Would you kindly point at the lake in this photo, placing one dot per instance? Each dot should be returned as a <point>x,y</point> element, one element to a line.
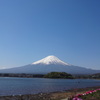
<point>17,86</point>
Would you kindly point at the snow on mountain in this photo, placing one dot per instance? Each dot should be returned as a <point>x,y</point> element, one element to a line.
<point>50,60</point>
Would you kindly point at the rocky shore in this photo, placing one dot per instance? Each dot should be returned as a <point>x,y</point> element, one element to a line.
<point>49,96</point>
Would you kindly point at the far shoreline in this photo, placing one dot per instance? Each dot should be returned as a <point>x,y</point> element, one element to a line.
<point>52,75</point>
<point>26,75</point>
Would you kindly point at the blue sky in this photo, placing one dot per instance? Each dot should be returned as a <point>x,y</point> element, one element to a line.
<point>33,29</point>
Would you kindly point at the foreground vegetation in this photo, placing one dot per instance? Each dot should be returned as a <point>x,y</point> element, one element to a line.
<point>92,96</point>
<point>88,95</point>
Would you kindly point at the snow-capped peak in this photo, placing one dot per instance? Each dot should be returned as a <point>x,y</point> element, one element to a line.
<point>50,60</point>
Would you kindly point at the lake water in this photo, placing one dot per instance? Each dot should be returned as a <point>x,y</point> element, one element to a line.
<point>16,86</point>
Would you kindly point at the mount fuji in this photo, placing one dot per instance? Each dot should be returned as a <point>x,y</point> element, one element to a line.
<point>50,64</point>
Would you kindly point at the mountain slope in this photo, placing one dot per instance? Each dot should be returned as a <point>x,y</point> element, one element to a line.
<point>50,64</point>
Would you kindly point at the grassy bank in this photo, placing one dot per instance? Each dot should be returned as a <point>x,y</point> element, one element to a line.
<point>93,96</point>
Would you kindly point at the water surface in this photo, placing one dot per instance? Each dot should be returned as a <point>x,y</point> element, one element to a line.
<point>16,86</point>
